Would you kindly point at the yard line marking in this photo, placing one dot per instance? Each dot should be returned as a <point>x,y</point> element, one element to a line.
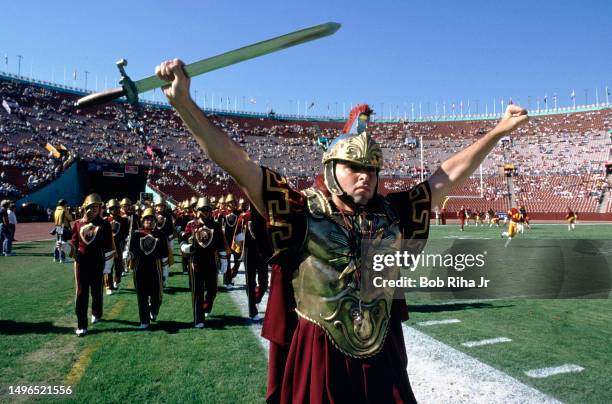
<point>240,298</point>
<point>81,365</point>
<point>471,344</point>
<point>439,322</point>
<point>84,359</point>
<point>557,370</point>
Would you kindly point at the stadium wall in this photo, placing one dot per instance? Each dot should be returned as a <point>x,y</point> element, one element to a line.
<point>67,186</point>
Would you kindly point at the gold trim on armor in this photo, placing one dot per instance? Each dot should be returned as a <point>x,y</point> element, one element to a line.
<point>352,355</point>
<point>278,207</point>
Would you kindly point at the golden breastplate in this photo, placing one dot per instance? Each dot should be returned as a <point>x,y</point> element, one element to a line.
<point>327,284</point>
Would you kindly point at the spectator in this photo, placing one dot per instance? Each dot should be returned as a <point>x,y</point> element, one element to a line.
<point>12,217</point>
<point>5,235</point>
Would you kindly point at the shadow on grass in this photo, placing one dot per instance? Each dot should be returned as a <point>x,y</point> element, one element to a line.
<point>223,321</point>
<point>10,327</point>
<point>437,308</point>
<point>171,290</point>
<point>223,289</point>
<point>31,254</point>
<point>26,246</point>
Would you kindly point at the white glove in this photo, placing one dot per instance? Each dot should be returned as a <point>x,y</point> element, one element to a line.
<point>165,271</point>
<point>109,261</point>
<point>65,247</point>
<point>186,248</point>
<point>165,268</point>
<point>108,265</point>
<point>223,266</point>
<point>222,262</point>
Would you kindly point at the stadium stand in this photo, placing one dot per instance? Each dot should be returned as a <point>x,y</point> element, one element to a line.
<point>558,159</point>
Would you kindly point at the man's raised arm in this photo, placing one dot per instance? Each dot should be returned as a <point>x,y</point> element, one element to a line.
<point>215,143</point>
<point>462,164</point>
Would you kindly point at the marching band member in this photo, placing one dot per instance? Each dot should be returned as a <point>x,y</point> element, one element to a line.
<point>206,245</point>
<point>93,252</point>
<point>120,227</point>
<point>148,258</point>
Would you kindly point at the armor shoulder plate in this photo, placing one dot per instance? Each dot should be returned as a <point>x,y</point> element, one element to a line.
<point>317,204</point>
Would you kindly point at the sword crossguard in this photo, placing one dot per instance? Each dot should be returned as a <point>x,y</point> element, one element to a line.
<point>131,92</point>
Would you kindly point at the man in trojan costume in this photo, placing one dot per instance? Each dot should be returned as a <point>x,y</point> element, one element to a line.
<point>328,341</point>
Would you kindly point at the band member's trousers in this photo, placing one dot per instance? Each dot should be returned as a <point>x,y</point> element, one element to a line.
<point>88,279</point>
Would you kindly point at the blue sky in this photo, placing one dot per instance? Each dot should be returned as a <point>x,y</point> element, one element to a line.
<point>390,54</point>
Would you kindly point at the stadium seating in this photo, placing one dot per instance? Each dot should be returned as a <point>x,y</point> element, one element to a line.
<point>558,158</point>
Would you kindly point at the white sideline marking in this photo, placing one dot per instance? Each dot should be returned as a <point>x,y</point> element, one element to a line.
<point>471,344</point>
<point>438,373</point>
<point>557,370</point>
<point>439,322</point>
<point>441,374</point>
<point>240,298</point>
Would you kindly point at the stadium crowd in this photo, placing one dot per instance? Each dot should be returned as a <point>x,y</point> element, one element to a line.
<point>567,146</point>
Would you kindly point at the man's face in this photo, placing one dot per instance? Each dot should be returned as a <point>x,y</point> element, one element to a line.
<point>114,211</point>
<point>92,211</point>
<point>357,181</point>
<point>148,223</point>
<point>204,213</point>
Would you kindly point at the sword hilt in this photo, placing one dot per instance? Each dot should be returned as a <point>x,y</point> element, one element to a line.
<point>127,89</point>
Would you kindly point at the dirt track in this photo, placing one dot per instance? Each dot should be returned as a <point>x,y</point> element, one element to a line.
<point>33,231</point>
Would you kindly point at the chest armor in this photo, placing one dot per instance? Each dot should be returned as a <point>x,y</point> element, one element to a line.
<point>327,284</point>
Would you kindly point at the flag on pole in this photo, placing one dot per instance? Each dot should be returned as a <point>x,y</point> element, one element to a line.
<point>253,101</point>
<point>6,59</point>
<point>312,104</point>
<point>573,94</point>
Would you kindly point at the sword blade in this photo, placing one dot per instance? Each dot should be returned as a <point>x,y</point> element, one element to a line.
<point>245,53</point>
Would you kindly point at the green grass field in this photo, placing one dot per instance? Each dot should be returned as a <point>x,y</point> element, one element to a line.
<point>173,362</point>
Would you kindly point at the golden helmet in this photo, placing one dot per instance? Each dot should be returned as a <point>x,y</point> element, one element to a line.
<point>359,149</point>
<point>92,199</point>
<point>193,201</point>
<point>149,212</point>
<point>112,203</point>
<point>229,198</point>
<point>125,202</point>
<point>203,202</point>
